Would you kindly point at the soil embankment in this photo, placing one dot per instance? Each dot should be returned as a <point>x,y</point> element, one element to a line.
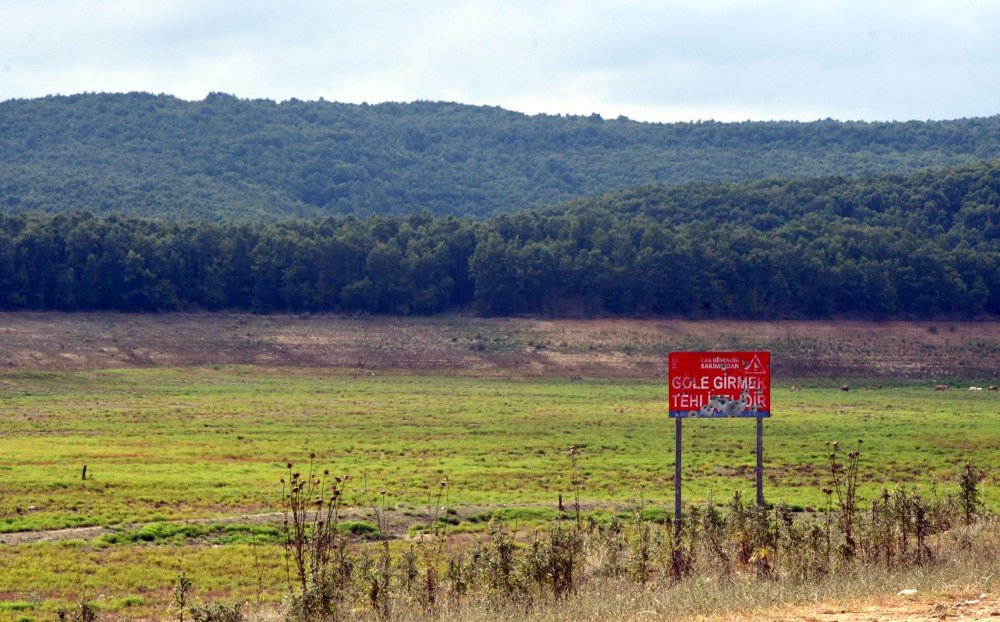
<point>530,347</point>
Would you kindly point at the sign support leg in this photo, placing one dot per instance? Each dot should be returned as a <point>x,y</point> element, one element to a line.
<point>677,473</point>
<point>760,461</point>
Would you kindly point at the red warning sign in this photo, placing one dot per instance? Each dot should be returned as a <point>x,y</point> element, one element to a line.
<point>720,384</point>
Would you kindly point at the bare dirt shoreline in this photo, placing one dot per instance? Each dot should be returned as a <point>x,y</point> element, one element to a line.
<point>931,351</point>
<point>959,605</point>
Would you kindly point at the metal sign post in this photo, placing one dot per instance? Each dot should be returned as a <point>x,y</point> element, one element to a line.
<point>719,384</point>
<point>677,474</point>
<point>760,461</point>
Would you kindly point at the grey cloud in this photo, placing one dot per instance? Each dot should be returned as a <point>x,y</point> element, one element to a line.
<point>714,58</point>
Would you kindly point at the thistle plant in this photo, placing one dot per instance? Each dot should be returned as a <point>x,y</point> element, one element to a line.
<point>314,548</point>
<point>576,484</point>
<point>845,485</point>
<point>181,592</point>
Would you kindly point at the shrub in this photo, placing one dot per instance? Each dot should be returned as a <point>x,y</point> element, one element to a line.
<point>969,497</point>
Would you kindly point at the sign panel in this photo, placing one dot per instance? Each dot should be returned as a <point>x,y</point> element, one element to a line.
<point>720,384</point>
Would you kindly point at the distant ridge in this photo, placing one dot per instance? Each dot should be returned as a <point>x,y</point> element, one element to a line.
<point>224,158</point>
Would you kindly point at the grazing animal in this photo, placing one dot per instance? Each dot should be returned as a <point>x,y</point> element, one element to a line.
<point>993,388</point>
<point>940,387</point>
<point>794,388</point>
<point>845,388</point>
<point>975,388</point>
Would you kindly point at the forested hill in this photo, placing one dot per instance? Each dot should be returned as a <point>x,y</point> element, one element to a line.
<point>923,245</point>
<point>225,158</point>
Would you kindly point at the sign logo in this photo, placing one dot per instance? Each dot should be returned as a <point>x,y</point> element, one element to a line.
<point>720,384</point>
<point>754,366</point>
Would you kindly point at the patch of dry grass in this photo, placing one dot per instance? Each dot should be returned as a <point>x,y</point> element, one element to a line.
<point>861,592</point>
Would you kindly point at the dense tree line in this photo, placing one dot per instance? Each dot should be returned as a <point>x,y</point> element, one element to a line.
<point>921,246</point>
<point>225,158</point>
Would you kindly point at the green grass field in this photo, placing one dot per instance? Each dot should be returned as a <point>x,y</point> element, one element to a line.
<point>202,442</point>
<point>199,442</point>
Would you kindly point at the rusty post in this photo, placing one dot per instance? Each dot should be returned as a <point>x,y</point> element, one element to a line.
<point>760,461</point>
<point>677,474</point>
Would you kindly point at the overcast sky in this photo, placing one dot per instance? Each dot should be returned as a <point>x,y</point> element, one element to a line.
<point>649,60</point>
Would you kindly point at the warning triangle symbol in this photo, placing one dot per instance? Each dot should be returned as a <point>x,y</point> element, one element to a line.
<point>754,366</point>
